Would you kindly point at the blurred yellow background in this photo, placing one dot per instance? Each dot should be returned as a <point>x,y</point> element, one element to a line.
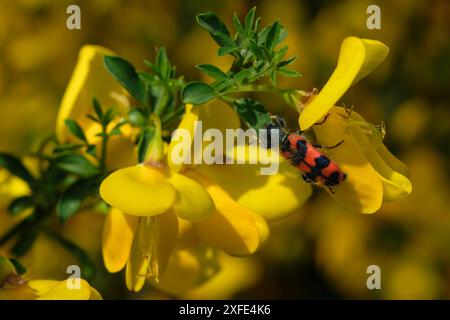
<point>324,251</point>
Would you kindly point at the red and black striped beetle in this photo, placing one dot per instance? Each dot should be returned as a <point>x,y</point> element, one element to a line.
<point>314,166</point>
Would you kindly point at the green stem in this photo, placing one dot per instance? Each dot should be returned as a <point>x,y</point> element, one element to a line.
<point>265,88</point>
<point>104,145</point>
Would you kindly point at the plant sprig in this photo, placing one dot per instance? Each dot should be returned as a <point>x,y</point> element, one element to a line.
<point>255,52</point>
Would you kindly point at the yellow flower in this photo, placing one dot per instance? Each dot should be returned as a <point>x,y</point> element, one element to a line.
<point>15,287</point>
<point>374,175</point>
<point>141,229</point>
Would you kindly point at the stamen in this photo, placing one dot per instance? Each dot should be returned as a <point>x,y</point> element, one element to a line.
<point>148,246</point>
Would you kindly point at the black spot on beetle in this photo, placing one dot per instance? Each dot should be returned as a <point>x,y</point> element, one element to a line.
<point>333,179</point>
<point>301,148</point>
<point>322,162</point>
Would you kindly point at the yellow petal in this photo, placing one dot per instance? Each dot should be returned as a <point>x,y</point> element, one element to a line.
<point>95,295</point>
<point>41,287</point>
<point>271,196</point>
<point>232,228</point>
<point>357,58</point>
<point>90,78</point>
<point>193,202</point>
<point>138,190</point>
<point>393,162</point>
<point>118,234</point>
<point>189,268</point>
<point>153,243</point>
<point>395,185</point>
<point>362,190</point>
<point>22,292</point>
<point>62,292</point>
<point>187,123</point>
<point>235,275</point>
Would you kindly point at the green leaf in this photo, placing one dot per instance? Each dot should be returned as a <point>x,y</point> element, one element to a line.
<point>19,267</point>
<point>67,147</point>
<point>214,26</point>
<point>115,131</point>
<point>144,140</point>
<point>272,36</point>
<point>70,201</point>
<point>238,25</point>
<point>162,63</point>
<point>279,34</point>
<point>249,19</point>
<point>256,50</point>
<point>108,116</point>
<point>160,98</point>
<point>223,39</point>
<point>227,50</point>
<point>126,75</point>
<point>212,71</point>
<point>25,241</point>
<point>288,72</point>
<point>18,205</point>
<point>149,78</point>
<point>279,54</point>
<point>273,76</point>
<point>252,113</point>
<point>257,23</point>
<point>77,164</point>
<point>97,108</point>
<point>197,93</point>
<point>15,167</point>
<point>287,62</point>
<point>92,150</point>
<point>90,116</point>
<point>75,129</point>
<point>242,75</point>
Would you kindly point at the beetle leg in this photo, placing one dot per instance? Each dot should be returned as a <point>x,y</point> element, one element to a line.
<point>323,121</point>
<point>328,148</point>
